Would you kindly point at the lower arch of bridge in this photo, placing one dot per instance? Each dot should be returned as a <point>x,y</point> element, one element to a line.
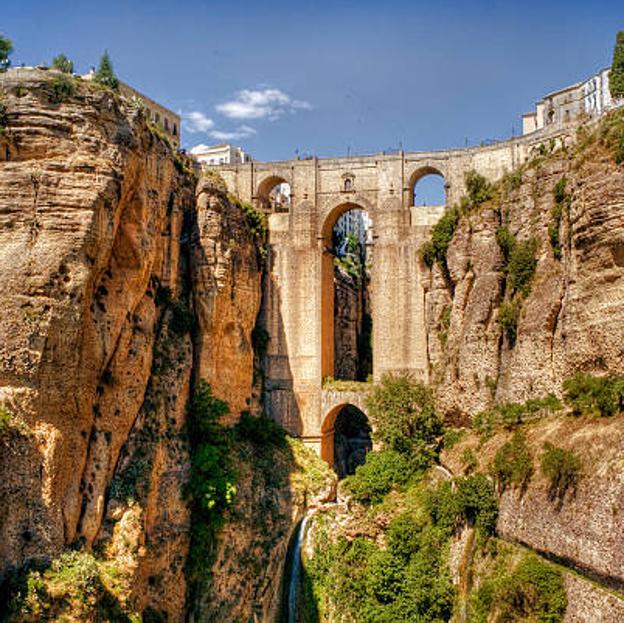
<point>345,439</point>
<point>328,362</point>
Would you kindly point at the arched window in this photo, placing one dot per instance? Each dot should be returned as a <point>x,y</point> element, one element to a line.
<point>348,184</point>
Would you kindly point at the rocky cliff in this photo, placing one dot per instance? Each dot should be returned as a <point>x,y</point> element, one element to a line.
<point>569,203</point>
<point>123,284</point>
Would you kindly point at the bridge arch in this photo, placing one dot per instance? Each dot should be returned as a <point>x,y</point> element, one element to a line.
<point>427,173</point>
<point>266,196</point>
<point>345,437</point>
<point>328,256</point>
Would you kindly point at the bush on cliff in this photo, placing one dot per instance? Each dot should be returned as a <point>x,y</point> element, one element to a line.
<point>62,63</point>
<point>62,87</point>
<point>403,417</point>
<point>435,250</point>
<point>513,465</point>
<point>478,188</point>
<point>562,202</point>
<point>6,47</point>
<point>532,591</point>
<point>562,468</point>
<point>595,395</point>
<point>382,472</point>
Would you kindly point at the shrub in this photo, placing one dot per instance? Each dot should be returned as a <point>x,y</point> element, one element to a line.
<point>403,417</point>
<point>211,486</point>
<point>403,536</point>
<point>508,314</point>
<point>513,413</point>
<point>479,189</point>
<point>5,420</point>
<point>562,468</point>
<point>445,323</point>
<point>512,465</point>
<point>473,501</point>
<point>506,242</point>
<point>105,74</point>
<point>6,47</point>
<point>470,461</point>
<point>519,261</point>
<point>62,87</point>
<point>381,472</point>
<point>616,76</point>
<point>385,576</point>
<point>562,201</point>
<point>594,395</point>
<point>75,573</point>
<point>62,63</point>
<point>521,266</point>
<point>441,236</point>
<point>452,436</point>
<point>533,591</point>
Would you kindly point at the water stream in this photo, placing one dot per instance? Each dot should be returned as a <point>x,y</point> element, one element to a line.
<point>295,570</point>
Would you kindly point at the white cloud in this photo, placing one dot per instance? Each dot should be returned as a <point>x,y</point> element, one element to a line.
<point>260,104</point>
<point>243,131</point>
<point>196,121</point>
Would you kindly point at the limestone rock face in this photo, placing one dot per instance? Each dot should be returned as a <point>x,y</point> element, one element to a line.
<point>226,293</point>
<point>573,317</point>
<point>104,253</point>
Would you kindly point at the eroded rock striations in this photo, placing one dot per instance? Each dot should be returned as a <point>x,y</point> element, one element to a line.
<point>107,258</point>
<point>572,318</point>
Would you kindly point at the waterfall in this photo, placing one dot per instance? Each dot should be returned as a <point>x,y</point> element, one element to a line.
<point>295,570</point>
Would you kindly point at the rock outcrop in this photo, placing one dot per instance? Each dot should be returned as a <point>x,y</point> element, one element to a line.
<point>107,258</point>
<point>573,317</point>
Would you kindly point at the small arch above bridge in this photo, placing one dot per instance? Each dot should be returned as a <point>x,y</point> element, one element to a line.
<point>273,194</point>
<point>433,182</point>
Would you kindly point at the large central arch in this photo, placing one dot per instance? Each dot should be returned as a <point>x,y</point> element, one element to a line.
<point>327,283</point>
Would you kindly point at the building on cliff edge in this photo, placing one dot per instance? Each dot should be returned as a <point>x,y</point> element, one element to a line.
<point>590,97</point>
<point>223,153</point>
<point>168,120</point>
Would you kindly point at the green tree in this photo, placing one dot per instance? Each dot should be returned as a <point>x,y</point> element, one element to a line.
<point>62,63</point>
<point>403,416</point>
<point>105,74</point>
<point>6,47</point>
<point>616,77</point>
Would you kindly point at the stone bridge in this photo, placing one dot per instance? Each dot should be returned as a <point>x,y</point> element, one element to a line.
<point>298,310</point>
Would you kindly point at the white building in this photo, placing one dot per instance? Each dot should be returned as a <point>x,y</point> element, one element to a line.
<point>223,153</point>
<point>590,97</point>
<point>356,222</point>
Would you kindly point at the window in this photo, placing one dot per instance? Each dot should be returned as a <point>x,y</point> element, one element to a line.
<point>166,124</point>
<point>175,129</point>
<point>348,184</point>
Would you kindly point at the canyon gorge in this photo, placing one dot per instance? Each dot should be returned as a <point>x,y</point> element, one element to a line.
<point>145,478</point>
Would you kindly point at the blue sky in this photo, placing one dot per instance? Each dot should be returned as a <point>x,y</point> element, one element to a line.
<point>330,78</point>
